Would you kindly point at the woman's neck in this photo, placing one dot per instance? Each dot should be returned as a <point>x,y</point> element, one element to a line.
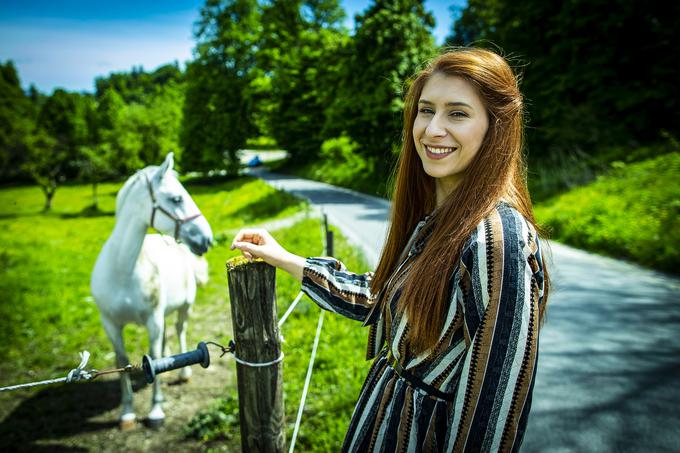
<point>445,187</point>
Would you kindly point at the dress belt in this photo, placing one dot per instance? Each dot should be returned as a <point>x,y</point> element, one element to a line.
<point>417,382</point>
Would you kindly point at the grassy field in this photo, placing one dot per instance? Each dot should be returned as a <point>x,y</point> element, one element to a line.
<point>47,316</point>
<point>633,212</point>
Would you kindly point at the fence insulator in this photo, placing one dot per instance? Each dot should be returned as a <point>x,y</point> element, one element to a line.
<point>152,367</point>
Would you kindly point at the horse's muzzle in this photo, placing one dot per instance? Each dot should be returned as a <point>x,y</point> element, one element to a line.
<point>197,239</point>
<point>200,247</point>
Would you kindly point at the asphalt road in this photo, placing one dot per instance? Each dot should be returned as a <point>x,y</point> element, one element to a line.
<point>608,376</point>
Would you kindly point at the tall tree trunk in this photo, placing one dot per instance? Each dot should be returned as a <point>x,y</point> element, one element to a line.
<point>49,191</point>
<point>48,200</point>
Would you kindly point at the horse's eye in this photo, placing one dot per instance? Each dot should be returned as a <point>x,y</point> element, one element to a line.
<point>177,199</point>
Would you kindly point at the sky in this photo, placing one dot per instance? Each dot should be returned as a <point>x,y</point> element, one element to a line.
<point>68,43</point>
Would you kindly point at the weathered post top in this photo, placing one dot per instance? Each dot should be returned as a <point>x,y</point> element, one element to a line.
<point>238,261</point>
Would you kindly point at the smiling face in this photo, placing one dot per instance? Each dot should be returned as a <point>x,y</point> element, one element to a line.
<point>448,130</point>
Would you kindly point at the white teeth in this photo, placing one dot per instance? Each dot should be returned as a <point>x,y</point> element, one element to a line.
<point>440,150</point>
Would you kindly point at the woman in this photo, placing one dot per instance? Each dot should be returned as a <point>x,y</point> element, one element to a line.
<point>456,301</point>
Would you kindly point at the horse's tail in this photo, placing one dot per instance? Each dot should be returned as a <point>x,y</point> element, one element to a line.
<point>200,270</point>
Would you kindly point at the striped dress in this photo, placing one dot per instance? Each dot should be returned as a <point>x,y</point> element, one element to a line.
<point>472,391</point>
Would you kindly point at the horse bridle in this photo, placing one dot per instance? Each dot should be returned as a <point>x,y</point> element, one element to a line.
<point>156,206</point>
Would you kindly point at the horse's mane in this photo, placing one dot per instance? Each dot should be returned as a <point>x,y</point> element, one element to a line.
<point>124,191</point>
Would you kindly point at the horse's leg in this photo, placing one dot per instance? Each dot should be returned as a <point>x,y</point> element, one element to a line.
<point>154,326</point>
<point>115,334</point>
<point>181,326</point>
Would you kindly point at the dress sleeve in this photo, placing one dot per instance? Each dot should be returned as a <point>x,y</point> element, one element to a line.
<point>328,283</point>
<point>501,310</point>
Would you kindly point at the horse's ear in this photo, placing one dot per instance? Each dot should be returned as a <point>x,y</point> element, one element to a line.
<point>166,166</point>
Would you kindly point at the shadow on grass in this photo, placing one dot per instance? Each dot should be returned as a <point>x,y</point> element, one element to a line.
<point>268,207</point>
<point>209,180</point>
<point>89,211</point>
<point>215,186</point>
<point>16,215</point>
<point>84,213</point>
<point>61,412</point>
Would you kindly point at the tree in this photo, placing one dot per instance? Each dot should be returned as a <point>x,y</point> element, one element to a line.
<point>95,167</point>
<point>54,145</point>
<point>600,74</point>
<point>162,124</point>
<point>393,39</point>
<point>299,50</point>
<point>135,86</point>
<point>474,23</point>
<point>115,137</point>
<point>129,136</point>
<point>17,120</point>
<point>46,162</point>
<point>217,108</point>
<point>96,157</point>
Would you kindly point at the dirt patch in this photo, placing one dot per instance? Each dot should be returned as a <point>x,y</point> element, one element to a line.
<point>84,416</point>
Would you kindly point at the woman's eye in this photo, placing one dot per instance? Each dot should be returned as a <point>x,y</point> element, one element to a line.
<point>458,114</point>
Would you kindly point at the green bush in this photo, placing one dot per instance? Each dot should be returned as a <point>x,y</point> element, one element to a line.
<point>341,164</point>
<point>556,172</point>
<point>261,142</point>
<point>630,212</point>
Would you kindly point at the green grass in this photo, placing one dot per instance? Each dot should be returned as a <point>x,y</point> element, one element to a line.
<point>632,212</point>
<point>44,278</point>
<point>47,314</point>
<point>46,261</point>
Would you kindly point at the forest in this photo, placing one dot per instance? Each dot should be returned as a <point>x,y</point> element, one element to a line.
<point>598,79</point>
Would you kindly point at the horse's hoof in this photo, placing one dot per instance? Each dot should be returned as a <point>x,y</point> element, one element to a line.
<point>156,423</point>
<point>156,417</point>
<point>127,424</point>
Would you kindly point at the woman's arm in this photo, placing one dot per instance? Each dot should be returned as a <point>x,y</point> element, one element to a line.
<point>325,280</point>
<point>258,243</point>
<point>493,397</point>
<point>328,283</point>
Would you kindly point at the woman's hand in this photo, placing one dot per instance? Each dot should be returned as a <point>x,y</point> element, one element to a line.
<point>258,243</point>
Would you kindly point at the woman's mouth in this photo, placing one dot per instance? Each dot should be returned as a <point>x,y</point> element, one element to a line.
<point>438,152</point>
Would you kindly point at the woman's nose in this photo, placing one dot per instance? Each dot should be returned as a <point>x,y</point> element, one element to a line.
<point>434,128</point>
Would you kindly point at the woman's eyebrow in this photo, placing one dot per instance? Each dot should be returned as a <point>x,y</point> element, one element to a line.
<point>449,104</point>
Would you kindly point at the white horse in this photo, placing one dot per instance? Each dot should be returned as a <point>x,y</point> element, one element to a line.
<point>140,278</point>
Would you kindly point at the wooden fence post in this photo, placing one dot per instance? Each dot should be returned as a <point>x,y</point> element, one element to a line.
<point>329,237</point>
<point>252,291</point>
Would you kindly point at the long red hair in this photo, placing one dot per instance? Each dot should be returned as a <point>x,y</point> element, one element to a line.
<point>497,171</point>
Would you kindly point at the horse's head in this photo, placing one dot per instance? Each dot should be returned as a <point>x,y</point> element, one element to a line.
<point>173,211</point>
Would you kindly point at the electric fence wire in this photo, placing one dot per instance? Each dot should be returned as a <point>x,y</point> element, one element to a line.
<point>308,379</point>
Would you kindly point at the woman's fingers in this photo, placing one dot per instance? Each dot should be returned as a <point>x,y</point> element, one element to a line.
<point>254,236</point>
<point>258,243</point>
<point>246,246</point>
